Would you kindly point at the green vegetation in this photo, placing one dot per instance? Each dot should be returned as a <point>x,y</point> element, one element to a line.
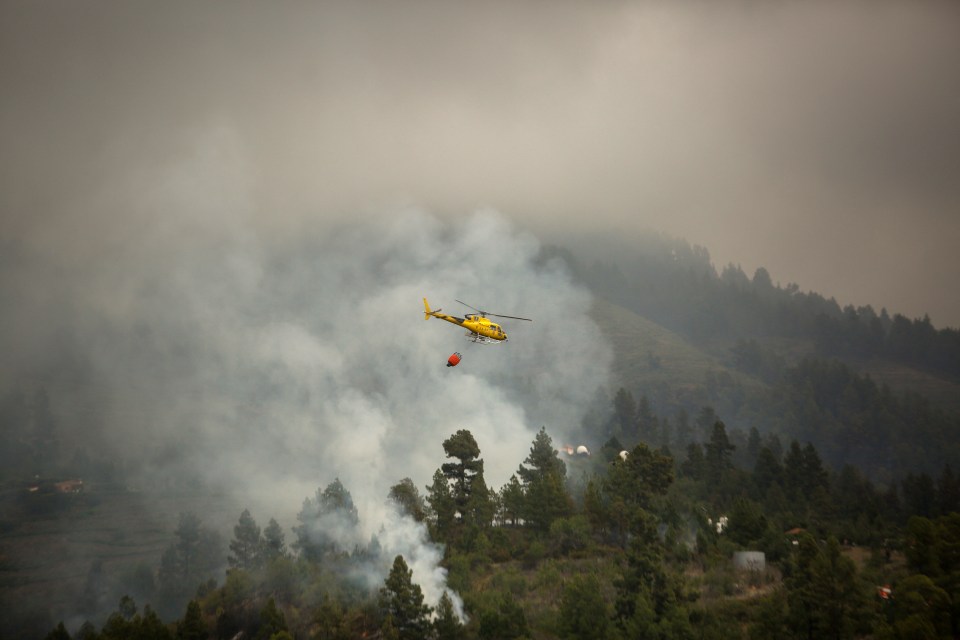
<point>746,418</point>
<point>643,548</point>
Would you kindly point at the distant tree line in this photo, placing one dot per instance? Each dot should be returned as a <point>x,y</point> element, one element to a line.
<point>851,418</point>
<point>676,285</point>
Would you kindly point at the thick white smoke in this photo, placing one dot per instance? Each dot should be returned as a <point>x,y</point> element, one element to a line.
<point>269,364</point>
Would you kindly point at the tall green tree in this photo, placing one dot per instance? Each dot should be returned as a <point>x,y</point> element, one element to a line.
<point>331,509</point>
<point>631,487</point>
<point>747,524</point>
<point>642,475</point>
<point>274,544</point>
<point>695,465</point>
<point>442,506</point>
<point>247,546</point>
<point>767,471</point>
<point>595,505</point>
<point>447,625</point>
<point>482,505</point>
<point>718,453</point>
<point>473,505</point>
<point>152,627</point>
<point>402,602</point>
<point>464,448</point>
<point>837,592</point>
<point>330,621</point>
<point>192,627</point>
<point>59,633</point>
<point>188,543</point>
<point>802,601</point>
<point>405,495</point>
<point>194,555</point>
<point>272,621</point>
<point>823,593</point>
<point>511,501</point>
<point>545,497</point>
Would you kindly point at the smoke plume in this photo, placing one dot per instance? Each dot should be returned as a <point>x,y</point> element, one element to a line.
<point>180,334</point>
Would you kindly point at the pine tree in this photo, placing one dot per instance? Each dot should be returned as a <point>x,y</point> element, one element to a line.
<point>152,627</point>
<point>632,484</point>
<point>594,506</point>
<point>274,545</point>
<point>59,633</point>
<point>442,506</point>
<point>188,543</point>
<point>694,466</point>
<point>717,453</point>
<point>511,502</point>
<point>767,471</point>
<point>408,499</point>
<point>331,508</point>
<point>481,506</point>
<point>330,621</point>
<point>402,601</point>
<point>464,448</point>
<point>127,607</point>
<point>837,591</point>
<point>545,498</point>
<point>192,626</point>
<point>272,621</point>
<point>446,625</point>
<point>459,489</point>
<point>247,545</point>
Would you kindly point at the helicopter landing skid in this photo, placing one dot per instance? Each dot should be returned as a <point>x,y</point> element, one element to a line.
<point>473,337</point>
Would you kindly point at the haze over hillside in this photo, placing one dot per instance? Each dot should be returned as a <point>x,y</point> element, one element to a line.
<point>819,141</point>
<point>217,222</point>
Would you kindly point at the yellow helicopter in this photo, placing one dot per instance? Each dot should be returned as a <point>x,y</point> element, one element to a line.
<point>479,328</point>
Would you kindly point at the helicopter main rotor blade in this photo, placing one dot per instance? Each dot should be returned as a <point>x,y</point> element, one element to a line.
<point>467,305</point>
<point>499,315</point>
<point>487,313</point>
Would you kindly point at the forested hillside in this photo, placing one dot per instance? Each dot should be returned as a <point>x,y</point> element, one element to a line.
<point>878,391</point>
<point>677,286</point>
<point>741,416</point>
<point>625,543</point>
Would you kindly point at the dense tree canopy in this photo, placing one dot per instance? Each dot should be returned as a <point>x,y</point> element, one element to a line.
<point>542,478</point>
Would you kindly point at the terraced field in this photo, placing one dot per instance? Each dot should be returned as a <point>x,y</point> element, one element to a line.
<point>49,550</point>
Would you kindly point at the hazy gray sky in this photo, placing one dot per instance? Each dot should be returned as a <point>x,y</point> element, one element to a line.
<point>819,140</point>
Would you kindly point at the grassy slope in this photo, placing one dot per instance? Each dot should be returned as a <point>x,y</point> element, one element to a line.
<point>646,355</point>
<point>682,365</point>
<point>941,392</point>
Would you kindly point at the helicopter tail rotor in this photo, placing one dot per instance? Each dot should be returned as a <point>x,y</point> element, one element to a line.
<point>427,311</point>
